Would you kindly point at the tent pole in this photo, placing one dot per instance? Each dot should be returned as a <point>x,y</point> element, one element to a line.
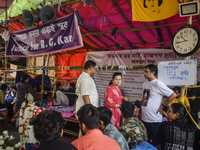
<point>6,18</point>
<point>42,88</point>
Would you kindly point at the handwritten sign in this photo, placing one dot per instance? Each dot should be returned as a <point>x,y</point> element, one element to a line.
<point>181,72</point>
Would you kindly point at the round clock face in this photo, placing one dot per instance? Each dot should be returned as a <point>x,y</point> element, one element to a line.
<point>186,40</point>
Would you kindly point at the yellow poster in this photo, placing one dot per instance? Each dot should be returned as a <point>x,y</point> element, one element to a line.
<point>153,10</point>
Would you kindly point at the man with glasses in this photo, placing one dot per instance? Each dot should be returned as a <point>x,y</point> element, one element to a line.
<point>152,107</point>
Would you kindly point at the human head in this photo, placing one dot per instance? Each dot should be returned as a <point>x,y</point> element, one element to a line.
<point>30,97</point>
<point>34,87</point>
<point>116,78</point>
<point>150,71</point>
<point>105,117</point>
<point>24,78</point>
<point>137,103</point>
<point>90,67</point>
<point>88,117</point>
<point>48,125</point>
<point>59,86</point>
<point>1,79</point>
<point>127,109</point>
<point>177,90</point>
<point>3,87</point>
<point>177,111</point>
<point>152,4</point>
<point>72,85</point>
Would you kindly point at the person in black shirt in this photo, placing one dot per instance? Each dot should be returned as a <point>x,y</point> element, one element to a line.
<point>71,93</point>
<point>178,133</point>
<point>48,128</point>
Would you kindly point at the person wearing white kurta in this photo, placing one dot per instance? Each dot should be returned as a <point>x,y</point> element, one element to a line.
<point>86,88</point>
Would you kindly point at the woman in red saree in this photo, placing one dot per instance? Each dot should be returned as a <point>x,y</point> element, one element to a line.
<point>113,98</point>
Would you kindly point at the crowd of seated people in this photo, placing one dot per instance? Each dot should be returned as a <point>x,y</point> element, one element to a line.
<point>96,122</point>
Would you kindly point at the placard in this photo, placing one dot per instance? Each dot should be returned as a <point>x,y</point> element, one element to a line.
<point>178,73</point>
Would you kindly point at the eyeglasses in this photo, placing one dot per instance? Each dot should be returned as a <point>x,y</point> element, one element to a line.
<point>146,71</point>
<point>169,111</point>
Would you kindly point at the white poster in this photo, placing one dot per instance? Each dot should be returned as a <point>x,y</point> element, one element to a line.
<point>132,79</point>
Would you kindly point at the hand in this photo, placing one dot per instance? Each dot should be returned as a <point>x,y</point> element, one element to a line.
<point>125,99</point>
<point>160,109</point>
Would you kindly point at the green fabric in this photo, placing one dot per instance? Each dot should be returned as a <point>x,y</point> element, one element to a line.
<point>134,132</point>
<point>18,5</point>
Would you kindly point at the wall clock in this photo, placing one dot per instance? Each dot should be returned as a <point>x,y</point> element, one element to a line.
<point>186,40</point>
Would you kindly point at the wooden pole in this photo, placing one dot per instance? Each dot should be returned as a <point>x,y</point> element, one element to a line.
<point>42,88</point>
<point>6,17</point>
<point>182,94</point>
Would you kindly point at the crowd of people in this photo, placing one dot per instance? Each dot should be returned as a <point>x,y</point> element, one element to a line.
<point>119,124</point>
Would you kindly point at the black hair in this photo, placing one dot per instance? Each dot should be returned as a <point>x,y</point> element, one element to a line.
<point>72,85</point>
<point>152,68</point>
<point>184,119</point>
<point>89,64</point>
<point>137,103</point>
<point>89,115</point>
<point>127,108</point>
<point>1,78</point>
<point>159,3</point>
<point>3,87</point>
<point>177,88</point>
<point>58,84</point>
<point>24,77</point>
<point>47,125</point>
<point>114,75</point>
<point>105,115</point>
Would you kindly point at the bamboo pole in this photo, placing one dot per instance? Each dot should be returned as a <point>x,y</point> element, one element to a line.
<point>138,29</point>
<point>168,30</point>
<point>110,23</point>
<point>93,29</point>
<point>6,59</point>
<point>42,88</point>
<point>127,21</point>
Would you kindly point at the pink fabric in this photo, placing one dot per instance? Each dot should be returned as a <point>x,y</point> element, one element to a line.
<point>95,140</point>
<point>113,96</point>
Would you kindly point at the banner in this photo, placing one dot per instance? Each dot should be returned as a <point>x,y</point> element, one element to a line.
<point>56,36</point>
<point>153,10</point>
<point>132,79</point>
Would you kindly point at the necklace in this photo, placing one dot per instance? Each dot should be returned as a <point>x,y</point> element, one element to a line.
<point>24,126</point>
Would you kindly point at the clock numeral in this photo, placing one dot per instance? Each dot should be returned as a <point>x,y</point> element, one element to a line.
<point>195,39</point>
<point>181,33</point>
<point>190,31</point>
<point>180,48</point>
<point>189,48</point>
<point>186,31</point>
<point>178,37</point>
<point>177,46</point>
<point>185,50</point>
<point>194,44</point>
<point>194,34</point>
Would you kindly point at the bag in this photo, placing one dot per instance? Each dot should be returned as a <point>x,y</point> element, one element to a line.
<point>145,146</point>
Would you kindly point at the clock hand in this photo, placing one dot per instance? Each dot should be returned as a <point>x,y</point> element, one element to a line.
<point>181,41</point>
<point>183,38</point>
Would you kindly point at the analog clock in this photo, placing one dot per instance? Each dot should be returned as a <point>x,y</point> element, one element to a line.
<point>186,40</point>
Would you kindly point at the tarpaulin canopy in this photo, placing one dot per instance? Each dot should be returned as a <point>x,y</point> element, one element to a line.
<point>107,25</point>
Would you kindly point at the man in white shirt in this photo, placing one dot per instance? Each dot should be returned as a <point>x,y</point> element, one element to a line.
<point>86,88</point>
<point>152,105</point>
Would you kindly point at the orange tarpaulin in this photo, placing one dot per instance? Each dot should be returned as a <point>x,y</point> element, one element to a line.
<point>70,60</point>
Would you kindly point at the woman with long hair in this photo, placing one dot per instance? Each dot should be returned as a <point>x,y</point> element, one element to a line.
<point>113,98</point>
<point>178,133</point>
